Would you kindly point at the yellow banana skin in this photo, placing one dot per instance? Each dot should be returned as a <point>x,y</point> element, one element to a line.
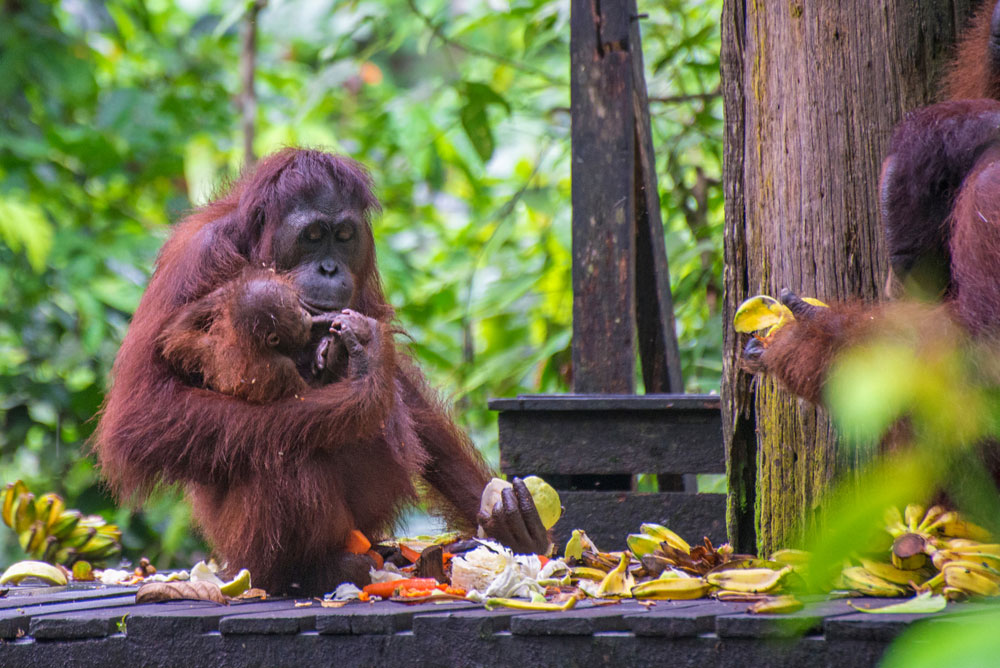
<point>749,580</point>
<point>641,544</point>
<point>33,569</point>
<point>778,605</point>
<point>663,534</point>
<point>985,560</point>
<point>587,573</point>
<point>970,582</point>
<point>11,492</point>
<point>890,573</point>
<point>671,589</point>
<point>791,557</point>
<point>862,581</point>
<point>618,581</point>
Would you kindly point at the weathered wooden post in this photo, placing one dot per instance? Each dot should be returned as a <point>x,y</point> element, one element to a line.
<point>591,445</point>
<point>812,91</point>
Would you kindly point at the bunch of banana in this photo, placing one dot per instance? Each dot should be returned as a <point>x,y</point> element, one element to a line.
<point>917,533</point>
<point>967,568</point>
<point>48,531</point>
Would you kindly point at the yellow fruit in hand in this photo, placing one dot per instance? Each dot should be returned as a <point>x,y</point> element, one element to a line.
<point>546,500</point>
<point>761,312</point>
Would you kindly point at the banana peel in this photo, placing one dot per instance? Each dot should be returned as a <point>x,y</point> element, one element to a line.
<point>763,312</point>
<point>21,570</point>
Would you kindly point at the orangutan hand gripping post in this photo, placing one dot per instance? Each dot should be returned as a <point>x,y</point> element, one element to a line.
<point>280,475</point>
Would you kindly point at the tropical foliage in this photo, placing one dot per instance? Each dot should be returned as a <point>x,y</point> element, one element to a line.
<point>119,116</point>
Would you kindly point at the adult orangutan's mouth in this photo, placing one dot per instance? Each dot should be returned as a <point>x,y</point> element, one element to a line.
<point>318,309</point>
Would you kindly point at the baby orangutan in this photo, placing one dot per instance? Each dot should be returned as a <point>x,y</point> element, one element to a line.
<point>245,338</point>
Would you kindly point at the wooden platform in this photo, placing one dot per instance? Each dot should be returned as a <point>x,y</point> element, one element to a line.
<point>58,627</point>
<point>603,442</point>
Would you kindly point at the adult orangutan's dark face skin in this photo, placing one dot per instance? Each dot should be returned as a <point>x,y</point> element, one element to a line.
<point>319,246</point>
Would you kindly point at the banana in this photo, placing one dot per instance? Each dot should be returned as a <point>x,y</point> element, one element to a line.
<point>51,547</point>
<point>65,556</point>
<point>861,580</point>
<point>63,526</point>
<point>49,507</point>
<point>975,566</point>
<point>11,492</point>
<point>894,521</point>
<point>663,534</point>
<point>33,538</point>
<point>671,589</point>
<point>749,580</point>
<point>642,544</point>
<point>618,582</point>
<point>237,585</point>
<point>791,557</point>
<point>913,515</point>
<point>520,604</point>
<point>950,525</point>
<point>33,569</point>
<point>24,512</point>
<point>890,573</point>
<point>943,557</point>
<point>79,537</point>
<point>587,573</point>
<point>959,544</point>
<point>971,582</point>
<point>577,543</point>
<point>110,530</point>
<point>777,605</point>
<point>930,517</point>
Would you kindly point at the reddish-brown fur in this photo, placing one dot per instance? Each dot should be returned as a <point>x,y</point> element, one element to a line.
<point>240,339</point>
<point>277,487</point>
<point>974,72</point>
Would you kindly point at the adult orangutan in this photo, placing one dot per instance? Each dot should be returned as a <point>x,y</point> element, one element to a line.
<point>278,487</point>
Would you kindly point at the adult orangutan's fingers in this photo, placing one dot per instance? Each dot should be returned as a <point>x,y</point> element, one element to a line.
<point>515,521</point>
<point>752,358</point>
<point>496,527</point>
<point>529,514</point>
<point>800,308</point>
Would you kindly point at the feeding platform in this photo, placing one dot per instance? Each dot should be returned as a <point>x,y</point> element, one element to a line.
<point>54,627</point>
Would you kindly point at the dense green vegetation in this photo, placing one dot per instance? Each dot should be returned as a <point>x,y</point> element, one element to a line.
<point>118,116</point>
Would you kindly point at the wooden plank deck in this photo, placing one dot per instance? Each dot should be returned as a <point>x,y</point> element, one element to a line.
<point>102,626</point>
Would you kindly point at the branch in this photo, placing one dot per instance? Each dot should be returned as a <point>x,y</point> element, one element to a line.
<point>248,96</point>
<point>475,51</point>
<point>677,99</point>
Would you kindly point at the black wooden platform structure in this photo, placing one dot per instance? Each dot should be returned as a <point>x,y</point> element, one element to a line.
<point>591,447</point>
<point>50,627</point>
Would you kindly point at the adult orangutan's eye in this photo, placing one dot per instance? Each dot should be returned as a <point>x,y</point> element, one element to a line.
<point>344,233</point>
<point>273,340</point>
<point>314,232</point>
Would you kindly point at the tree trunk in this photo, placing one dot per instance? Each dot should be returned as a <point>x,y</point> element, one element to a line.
<point>812,91</point>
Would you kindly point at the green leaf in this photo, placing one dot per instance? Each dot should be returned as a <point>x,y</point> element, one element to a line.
<point>24,225</point>
<point>477,128</point>
<point>921,604</point>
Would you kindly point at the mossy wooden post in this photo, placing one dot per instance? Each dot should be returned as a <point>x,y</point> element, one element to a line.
<point>812,91</point>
